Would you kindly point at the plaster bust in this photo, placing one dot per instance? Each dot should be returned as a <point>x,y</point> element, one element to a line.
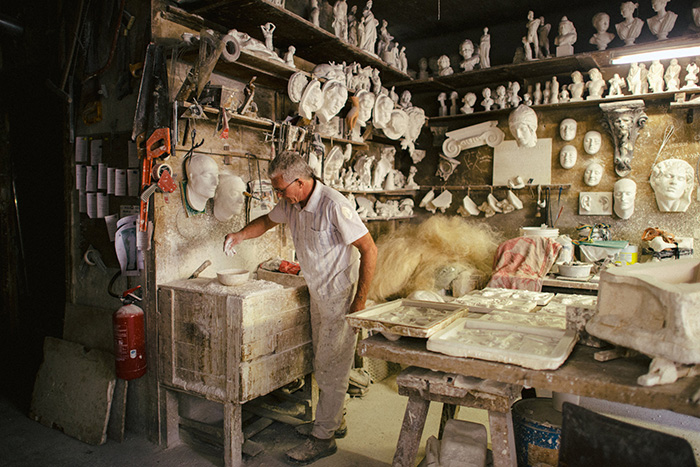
<point>596,85</point>
<point>661,24</point>
<point>567,33</point>
<point>567,129</point>
<point>523,126</point>
<point>466,50</point>
<point>624,193</point>
<point>335,95</point>
<point>593,174</point>
<point>672,181</point>
<point>592,141</point>
<point>382,111</point>
<point>629,29</point>
<point>567,156</point>
<point>601,23</point>
<point>202,179</point>
<point>228,199</point>
<point>366,100</point>
<point>444,68</point>
<point>311,99</point>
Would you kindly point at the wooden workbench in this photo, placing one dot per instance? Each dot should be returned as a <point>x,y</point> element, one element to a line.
<point>614,380</point>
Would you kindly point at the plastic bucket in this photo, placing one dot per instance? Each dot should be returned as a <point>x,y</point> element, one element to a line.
<point>627,255</point>
<point>537,430</point>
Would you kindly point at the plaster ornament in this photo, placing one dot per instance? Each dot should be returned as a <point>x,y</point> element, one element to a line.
<point>418,155</point>
<point>531,44</point>
<point>228,199</point>
<point>634,79</point>
<point>516,182</point>
<point>394,97</point>
<point>691,77</point>
<point>311,99</point>
<point>629,29</point>
<point>537,94</point>
<point>493,203</point>
<point>410,182</point>
<point>469,60</point>
<point>487,102</point>
<point>429,196</point>
<point>365,208</point>
<point>673,181</point>
<point>366,101</point>
<point>405,100</point>
<point>514,200</point>
<point>522,123</point>
<point>655,77</point>
<point>416,121</point>
<point>566,38</point>
<point>468,207</point>
<point>584,204</point>
<point>314,12</point>
<point>672,76</point>
<point>352,26</point>
<point>596,86</point>
<point>453,102</point>
<point>444,68</point>
<point>644,74</point>
<point>442,109</point>
<point>296,85</point>
<point>268,29</point>
<point>468,101</point>
<point>601,23</point>
<point>567,156</point>
<point>340,20</point>
<point>254,46</point>
<point>406,207</point>
<point>335,95</point>
<point>527,99</point>
<point>423,72</point>
<point>316,154</point>
<point>374,79</point>
<point>564,95</point>
<point>624,193</point>
<point>485,49</point>
<point>593,174</point>
<point>472,136</point>
<point>403,60</point>
<point>501,99</point>
<point>546,94</point>
<point>383,106</point>
<point>616,85</point>
<point>441,202</point>
<point>623,120</point>
<point>446,167</point>
<point>543,38</point>
<point>513,97</point>
<point>567,129</point>
<point>397,125</point>
<point>202,179</point>
<point>554,91</point>
<point>390,181</point>
<point>527,52</point>
<point>577,87</point>
<point>333,163</point>
<point>486,208</point>
<point>369,35</point>
<point>289,56</point>
<point>662,23</point>
<point>363,168</point>
<point>592,141</point>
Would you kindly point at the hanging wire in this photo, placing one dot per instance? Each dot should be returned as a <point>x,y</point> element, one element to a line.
<point>668,133</point>
<point>438,10</point>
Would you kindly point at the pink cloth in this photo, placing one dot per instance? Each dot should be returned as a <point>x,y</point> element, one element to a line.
<point>522,262</point>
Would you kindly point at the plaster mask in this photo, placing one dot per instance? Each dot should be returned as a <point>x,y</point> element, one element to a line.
<point>672,181</point>
<point>229,200</point>
<point>382,111</point>
<point>202,179</point>
<point>567,129</point>
<point>593,174</point>
<point>311,99</point>
<point>366,100</point>
<point>523,126</point>
<point>591,142</point>
<point>624,193</point>
<point>567,156</point>
<point>335,95</point>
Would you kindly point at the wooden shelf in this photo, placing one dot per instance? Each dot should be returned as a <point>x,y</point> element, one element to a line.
<point>490,187</point>
<point>400,192</point>
<point>312,43</point>
<point>244,120</point>
<point>332,140</point>
<point>397,218</point>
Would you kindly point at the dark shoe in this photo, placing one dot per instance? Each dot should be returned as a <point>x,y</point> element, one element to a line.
<point>305,430</point>
<point>311,450</point>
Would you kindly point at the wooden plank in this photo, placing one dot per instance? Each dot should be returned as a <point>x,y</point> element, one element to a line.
<point>271,372</point>
<point>261,329</point>
<point>276,343</point>
<point>117,415</point>
<point>165,352</point>
<point>411,431</point>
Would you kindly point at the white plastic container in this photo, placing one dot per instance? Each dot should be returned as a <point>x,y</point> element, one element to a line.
<point>542,231</point>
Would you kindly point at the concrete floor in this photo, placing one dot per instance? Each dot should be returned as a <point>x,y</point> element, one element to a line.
<point>374,423</point>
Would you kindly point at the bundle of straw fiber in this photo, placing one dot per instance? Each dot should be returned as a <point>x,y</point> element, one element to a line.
<point>410,257</point>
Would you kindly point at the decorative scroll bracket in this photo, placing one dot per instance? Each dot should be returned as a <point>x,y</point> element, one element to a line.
<point>623,121</point>
<point>472,137</point>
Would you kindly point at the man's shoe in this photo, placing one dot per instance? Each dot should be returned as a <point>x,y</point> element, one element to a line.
<point>311,450</point>
<point>305,430</point>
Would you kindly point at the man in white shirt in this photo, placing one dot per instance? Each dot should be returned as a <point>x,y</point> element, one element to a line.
<point>327,234</point>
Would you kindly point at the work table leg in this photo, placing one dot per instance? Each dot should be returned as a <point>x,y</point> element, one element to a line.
<point>233,435</point>
<point>411,431</point>
<point>498,423</point>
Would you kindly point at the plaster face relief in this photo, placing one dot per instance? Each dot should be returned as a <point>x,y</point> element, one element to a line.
<point>673,181</point>
<point>592,141</point>
<point>382,110</point>
<point>567,129</point>
<point>567,156</point>
<point>311,99</point>
<point>366,100</point>
<point>523,126</point>
<point>228,199</point>
<point>296,85</point>
<point>624,193</point>
<point>593,174</point>
<point>335,95</point>
<point>202,179</point>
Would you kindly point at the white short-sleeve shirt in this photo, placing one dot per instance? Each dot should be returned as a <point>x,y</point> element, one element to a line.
<point>323,233</point>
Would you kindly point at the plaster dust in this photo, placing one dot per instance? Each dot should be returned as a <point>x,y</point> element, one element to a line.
<point>410,258</point>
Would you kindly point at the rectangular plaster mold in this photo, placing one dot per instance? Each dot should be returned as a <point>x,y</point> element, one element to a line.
<point>541,298</point>
<point>527,346</point>
<point>481,304</point>
<point>595,203</point>
<point>541,320</point>
<point>653,308</point>
<point>510,161</point>
<point>411,318</point>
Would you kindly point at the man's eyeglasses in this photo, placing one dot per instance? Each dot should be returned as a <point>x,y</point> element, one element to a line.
<point>280,192</point>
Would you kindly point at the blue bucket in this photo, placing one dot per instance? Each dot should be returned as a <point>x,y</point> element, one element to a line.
<point>537,431</point>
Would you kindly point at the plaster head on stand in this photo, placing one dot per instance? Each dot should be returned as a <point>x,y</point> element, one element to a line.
<point>469,60</point>
<point>202,179</point>
<point>673,181</point>
<point>592,141</point>
<point>444,68</point>
<point>229,200</point>
<point>567,37</point>
<point>629,29</point>
<point>567,129</point>
<point>661,24</point>
<point>601,23</point>
<point>523,126</point>
<point>468,100</point>
<point>624,194</point>
<point>593,173</point>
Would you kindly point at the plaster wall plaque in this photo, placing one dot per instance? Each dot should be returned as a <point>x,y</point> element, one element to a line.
<point>595,203</point>
<point>510,161</point>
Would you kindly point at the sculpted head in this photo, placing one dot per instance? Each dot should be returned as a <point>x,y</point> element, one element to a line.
<point>567,129</point>
<point>592,141</point>
<point>672,181</point>
<point>593,173</point>
<point>523,126</point>
<point>202,179</point>
<point>624,193</point>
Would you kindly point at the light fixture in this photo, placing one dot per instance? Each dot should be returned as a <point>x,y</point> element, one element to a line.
<point>660,54</point>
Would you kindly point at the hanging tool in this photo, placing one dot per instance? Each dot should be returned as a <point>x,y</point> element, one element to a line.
<point>123,87</point>
<point>199,270</point>
<point>210,48</point>
<point>249,93</point>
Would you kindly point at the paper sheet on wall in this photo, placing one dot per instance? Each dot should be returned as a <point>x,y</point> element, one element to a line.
<point>263,201</point>
<point>132,155</point>
<point>102,176</point>
<point>110,180</point>
<point>82,202</point>
<point>111,223</point>
<point>102,205</point>
<point>80,173</point>
<point>95,151</point>
<point>120,182</point>
<point>91,205</point>
<point>133,182</point>
<point>81,149</point>
<point>509,161</point>
<point>91,178</point>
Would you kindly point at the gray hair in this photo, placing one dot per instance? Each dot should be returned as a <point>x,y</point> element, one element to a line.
<point>291,166</point>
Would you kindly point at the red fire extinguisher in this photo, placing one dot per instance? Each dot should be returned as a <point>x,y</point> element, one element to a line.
<point>129,338</point>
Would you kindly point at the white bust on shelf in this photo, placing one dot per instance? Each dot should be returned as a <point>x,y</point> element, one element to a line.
<point>601,23</point>
<point>487,102</point>
<point>624,194</point>
<point>228,199</point>
<point>567,37</point>
<point>444,68</point>
<point>202,179</point>
<point>672,76</point>
<point>469,60</point>
<point>662,23</point>
<point>568,156</point>
<point>567,129</point>
<point>469,100</point>
<point>593,173</point>
<point>335,95</point>
<point>629,29</point>
<point>523,126</point>
<point>592,141</point>
<point>596,86</point>
<point>673,181</point>
<point>691,76</point>
<point>577,87</point>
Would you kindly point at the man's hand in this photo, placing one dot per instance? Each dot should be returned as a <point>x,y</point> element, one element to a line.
<point>232,240</point>
<point>358,304</point>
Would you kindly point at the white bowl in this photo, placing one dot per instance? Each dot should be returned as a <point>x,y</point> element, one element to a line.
<point>232,276</point>
<point>575,270</point>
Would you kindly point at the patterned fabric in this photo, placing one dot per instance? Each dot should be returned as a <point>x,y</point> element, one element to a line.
<point>323,233</point>
<point>522,262</point>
